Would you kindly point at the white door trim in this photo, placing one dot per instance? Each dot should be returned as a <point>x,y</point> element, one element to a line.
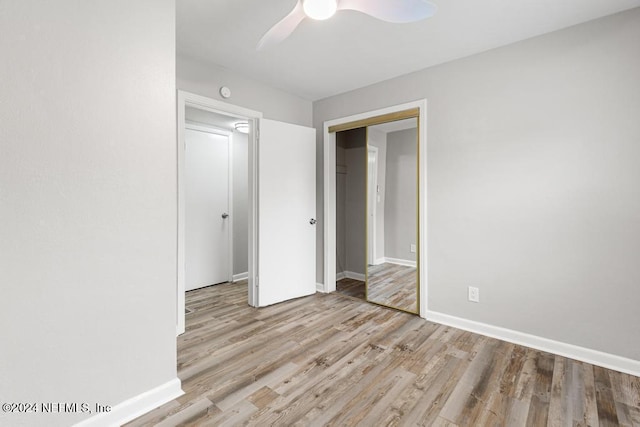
<point>330,194</point>
<point>229,135</point>
<point>373,227</point>
<point>201,102</point>
<point>206,128</point>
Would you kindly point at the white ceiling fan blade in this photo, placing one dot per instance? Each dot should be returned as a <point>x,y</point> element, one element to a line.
<point>396,11</point>
<point>284,28</point>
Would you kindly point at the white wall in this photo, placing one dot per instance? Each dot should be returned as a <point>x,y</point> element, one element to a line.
<point>87,202</point>
<point>378,139</point>
<point>534,184</point>
<point>206,79</point>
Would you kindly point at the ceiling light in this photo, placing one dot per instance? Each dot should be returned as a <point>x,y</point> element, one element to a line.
<point>320,9</point>
<point>242,127</point>
<point>395,11</point>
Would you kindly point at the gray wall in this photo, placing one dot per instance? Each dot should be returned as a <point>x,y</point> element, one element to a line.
<point>401,205</point>
<point>533,182</point>
<point>354,238</point>
<point>87,202</point>
<point>206,79</point>
<point>379,140</point>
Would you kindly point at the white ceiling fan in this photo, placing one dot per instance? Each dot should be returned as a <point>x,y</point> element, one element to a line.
<point>395,11</point>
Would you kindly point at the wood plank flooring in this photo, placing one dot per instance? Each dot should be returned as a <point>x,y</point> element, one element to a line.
<point>330,360</point>
<point>391,285</point>
<point>394,286</point>
<point>351,287</point>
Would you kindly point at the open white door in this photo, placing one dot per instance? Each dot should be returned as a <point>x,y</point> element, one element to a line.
<point>286,212</point>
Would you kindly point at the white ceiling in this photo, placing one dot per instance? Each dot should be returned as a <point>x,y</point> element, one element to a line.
<point>220,121</point>
<point>352,50</point>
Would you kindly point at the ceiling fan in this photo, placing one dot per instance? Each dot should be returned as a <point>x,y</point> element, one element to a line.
<point>395,11</point>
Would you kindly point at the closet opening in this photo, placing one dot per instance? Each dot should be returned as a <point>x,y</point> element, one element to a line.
<point>375,207</point>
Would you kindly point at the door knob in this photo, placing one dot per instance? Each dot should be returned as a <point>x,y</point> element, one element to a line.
<point>225,215</point>
<point>312,221</point>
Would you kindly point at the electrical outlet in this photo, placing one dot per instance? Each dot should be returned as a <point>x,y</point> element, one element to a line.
<point>413,249</point>
<point>474,294</point>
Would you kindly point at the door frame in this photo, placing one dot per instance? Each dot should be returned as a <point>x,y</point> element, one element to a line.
<point>208,104</point>
<point>329,171</point>
<point>206,128</point>
<point>372,232</point>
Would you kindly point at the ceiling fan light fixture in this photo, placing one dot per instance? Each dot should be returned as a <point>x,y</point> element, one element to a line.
<point>242,127</point>
<point>395,11</point>
<point>320,9</point>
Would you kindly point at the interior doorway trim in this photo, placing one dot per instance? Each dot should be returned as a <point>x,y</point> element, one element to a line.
<point>187,99</point>
<point>375,120</point>
<point>359,120</point>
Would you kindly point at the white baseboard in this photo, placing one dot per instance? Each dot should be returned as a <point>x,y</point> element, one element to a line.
<point>380,261</point>
<point>320,287</point>
<point>350,275</point>
<point>397,261</point>
<point>594,357</point>
<point>136,406</point>
<point>354,276</point>
<point>241,276</point>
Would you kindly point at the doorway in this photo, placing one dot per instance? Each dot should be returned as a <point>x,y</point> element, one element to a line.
<point>281,186</point>
<point>205,114</point>
<point>215,200</point>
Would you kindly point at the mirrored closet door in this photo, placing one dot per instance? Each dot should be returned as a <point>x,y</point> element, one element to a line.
<point>392,214</point>
<point>377,244</point>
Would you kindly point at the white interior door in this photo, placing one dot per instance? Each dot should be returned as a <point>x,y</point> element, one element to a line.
<point>206,208</point>
<point>286,212</point>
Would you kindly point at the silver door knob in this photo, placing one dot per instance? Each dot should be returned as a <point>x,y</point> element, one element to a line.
<point>225,215</point>
<point>312,221</point>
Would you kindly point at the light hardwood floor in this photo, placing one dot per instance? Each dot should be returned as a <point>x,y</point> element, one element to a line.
<point>332,360</point>
<point>389,284</point>
<point>351,287</point>
<point>394,286</point>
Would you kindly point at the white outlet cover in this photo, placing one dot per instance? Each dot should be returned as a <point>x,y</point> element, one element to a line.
<point>474,294</point>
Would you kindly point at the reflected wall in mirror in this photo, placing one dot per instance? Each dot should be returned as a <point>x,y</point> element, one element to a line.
<point>351,187</point>
<point>392,214</point>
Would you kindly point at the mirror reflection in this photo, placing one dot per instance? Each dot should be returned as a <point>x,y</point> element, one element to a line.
<point>377,213</point>
<point>392,216</point>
